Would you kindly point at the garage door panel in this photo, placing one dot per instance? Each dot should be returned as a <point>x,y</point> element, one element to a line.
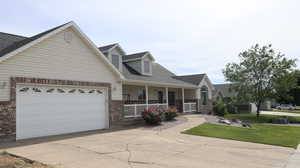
<point>51,111</point>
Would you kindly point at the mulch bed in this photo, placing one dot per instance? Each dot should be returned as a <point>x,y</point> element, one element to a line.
<point>10,161</point>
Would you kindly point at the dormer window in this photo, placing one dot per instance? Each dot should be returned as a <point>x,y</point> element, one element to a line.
<point>115,60</point>
<point>147,66</point>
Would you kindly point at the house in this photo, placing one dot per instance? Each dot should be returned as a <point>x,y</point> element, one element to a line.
<point>59,82</point>
<point>225,93</point>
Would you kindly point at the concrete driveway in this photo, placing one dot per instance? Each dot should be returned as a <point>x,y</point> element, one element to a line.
<point>154,148</point>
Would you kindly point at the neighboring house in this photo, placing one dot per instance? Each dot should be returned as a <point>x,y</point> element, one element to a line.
<point>225,93</point>
<point>59,82</point>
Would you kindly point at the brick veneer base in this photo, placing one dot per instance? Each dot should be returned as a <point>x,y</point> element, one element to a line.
<point>8,108</point>
<point>116,111</point>
<point>7,119</point>
<point>205,109</point>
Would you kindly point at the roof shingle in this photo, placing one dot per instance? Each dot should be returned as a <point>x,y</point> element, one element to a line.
<point>107,47</point>
<point>159,75</point>
<point>193,79</point>
<point>134,56</point>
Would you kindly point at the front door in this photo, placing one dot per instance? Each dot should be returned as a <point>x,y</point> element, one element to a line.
<point>171,98</point>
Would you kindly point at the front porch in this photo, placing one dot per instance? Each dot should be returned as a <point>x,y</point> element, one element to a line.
<point>137,98</point>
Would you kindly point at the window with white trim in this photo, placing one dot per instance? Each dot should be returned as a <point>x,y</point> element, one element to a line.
<point>115,60</point>
<point>204,95</point>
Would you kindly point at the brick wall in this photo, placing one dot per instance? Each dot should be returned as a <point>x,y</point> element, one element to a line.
<point>205,109</point>
<point>116,111</point>
<point>7,119</point>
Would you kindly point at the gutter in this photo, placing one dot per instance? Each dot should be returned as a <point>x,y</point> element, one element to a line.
<point>128,81</point>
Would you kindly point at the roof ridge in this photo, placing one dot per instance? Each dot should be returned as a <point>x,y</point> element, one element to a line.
<point>137,53</point>
<point>108,45</point>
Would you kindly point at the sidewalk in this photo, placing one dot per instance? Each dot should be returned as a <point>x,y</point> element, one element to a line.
<point>280,113</point>
<point>294,161</point>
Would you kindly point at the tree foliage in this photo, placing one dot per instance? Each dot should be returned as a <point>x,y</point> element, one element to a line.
<point>257,73</point>
<point>283,87</point>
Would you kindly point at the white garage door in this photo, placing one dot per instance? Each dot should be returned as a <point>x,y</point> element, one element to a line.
<point>44,111</point>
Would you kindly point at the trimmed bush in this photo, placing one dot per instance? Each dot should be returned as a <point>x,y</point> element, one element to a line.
<point>220,108</point>
<point>170,113</point>
<point>153,116</point>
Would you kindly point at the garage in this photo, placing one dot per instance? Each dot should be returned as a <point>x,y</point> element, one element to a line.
<point>52,110</point>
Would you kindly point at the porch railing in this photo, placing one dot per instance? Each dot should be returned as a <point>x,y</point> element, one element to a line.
<point>190,107</point>
<point>135,110</point>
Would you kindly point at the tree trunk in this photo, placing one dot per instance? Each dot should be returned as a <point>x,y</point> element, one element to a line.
<point>258,110</point>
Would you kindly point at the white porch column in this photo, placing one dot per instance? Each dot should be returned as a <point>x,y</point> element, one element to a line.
<point>167,97</point>
<point>183,100</point>
<point>147,94</point>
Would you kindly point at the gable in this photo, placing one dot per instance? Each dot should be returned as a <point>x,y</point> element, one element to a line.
<point>56,58</point>
<point>206,82</point>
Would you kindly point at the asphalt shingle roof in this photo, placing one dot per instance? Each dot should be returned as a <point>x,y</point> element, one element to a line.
<point>193,79</point>
<point>134,56</point>
<point>8,39</point>
<point>107,47</point>
<point>25,41</point>
<point>159,75</point>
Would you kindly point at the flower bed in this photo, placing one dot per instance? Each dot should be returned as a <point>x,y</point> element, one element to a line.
<point>157,115</point>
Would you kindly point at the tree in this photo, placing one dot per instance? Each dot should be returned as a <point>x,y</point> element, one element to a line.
<point>283,87</point>
<point>295,92</point>
<point>254,77</point>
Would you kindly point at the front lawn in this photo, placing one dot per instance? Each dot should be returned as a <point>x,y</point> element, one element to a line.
<point>287,136</point>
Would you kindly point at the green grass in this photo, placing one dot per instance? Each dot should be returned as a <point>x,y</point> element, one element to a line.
<point>287,136</point>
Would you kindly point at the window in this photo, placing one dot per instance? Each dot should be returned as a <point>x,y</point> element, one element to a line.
<point>141,94</point>
<point>115,60</point>
<point>147,67</point>
<point>204,95</point>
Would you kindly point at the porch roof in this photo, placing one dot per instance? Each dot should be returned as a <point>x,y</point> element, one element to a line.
<point>160,76</point>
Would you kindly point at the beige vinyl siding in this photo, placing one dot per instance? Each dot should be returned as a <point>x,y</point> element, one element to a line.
<point>54,58</point>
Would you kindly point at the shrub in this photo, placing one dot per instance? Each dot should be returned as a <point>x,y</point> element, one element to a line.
<point>231,109</point>
<point>152,116</point>
<point>220,108</point>
<point>170,113</point>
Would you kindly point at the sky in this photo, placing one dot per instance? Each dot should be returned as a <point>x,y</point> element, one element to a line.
<point>187,37</point>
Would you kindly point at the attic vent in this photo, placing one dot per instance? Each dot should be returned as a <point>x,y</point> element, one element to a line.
<point>68,37</point>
